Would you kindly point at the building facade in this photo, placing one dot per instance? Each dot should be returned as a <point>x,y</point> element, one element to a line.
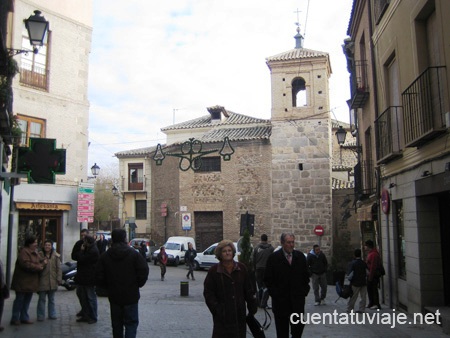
<point>50,101</point>
<point>405,45</point>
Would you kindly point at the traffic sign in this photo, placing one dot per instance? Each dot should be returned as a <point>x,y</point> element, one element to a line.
<point>318,230</point>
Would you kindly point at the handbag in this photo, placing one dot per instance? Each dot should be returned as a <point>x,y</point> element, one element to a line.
<point>256,328</point>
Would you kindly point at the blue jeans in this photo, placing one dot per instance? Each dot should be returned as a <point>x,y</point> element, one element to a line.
<point>88,300</point>
<point>41,304</point>
<point>21,305</point>
<point>124,315</point>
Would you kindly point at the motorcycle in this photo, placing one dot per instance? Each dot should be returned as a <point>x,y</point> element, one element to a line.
<point>69,270</point>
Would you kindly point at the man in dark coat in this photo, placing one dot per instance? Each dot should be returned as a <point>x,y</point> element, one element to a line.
<point>317,263</point>
<point>357,275</point>
<point>287,279</point>
<point>122,270</point>
<point>75,250</point>
<point>87,259</point>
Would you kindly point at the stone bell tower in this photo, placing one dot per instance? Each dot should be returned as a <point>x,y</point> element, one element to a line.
<point>301,145</point>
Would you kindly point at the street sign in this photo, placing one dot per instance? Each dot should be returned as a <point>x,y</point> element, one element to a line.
<point>85,209</point>
<point>318,230</point>
<point>186,221</point>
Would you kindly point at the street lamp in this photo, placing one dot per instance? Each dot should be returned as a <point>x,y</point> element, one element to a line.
<point>95,169</point>
<point>340,134</point>
<point>37,27</point>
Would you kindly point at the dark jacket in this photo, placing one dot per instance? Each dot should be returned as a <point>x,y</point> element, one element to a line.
<point>359,269</point>
<point>86,261</point>
<point>317,263</point>
<point>121,270</point>
<point>26,273</point>
<point>288,284</point>
<point>102,244</point>
<point>260,255</point>
<point>226,297</point>
<point>76,249</point>
<point>190,255</point>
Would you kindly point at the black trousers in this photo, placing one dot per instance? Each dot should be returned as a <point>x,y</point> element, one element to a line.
<point>372,292</point>
<point>283,323</point>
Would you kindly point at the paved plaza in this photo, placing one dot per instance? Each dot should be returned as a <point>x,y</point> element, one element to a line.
<point>164,313</point>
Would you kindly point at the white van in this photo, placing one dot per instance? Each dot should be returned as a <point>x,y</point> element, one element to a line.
<point>176,247</point>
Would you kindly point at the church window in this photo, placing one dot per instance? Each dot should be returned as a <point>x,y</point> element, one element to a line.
<point>299,97</point>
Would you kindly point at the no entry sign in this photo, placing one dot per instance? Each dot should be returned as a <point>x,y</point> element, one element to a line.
<point>318,230</point>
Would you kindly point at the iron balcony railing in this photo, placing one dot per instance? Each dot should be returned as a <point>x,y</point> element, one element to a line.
<point>425,103</point>
<point>388,128</point>
<point>365,182</point>
<point>34,76</point>
<point>360,85</point>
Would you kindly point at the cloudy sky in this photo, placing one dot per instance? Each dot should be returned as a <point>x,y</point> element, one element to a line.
<point>155,63</point>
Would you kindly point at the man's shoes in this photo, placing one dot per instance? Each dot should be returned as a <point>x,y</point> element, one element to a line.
<point>193,278</point>
<point>359,311</point>
<point>26,322</point>
<point>1,328</point>
<point>82,320</point>
<point>316,303</point>
<point>40,319</point>
<point>375,307</point>
<point>187,276</point>
<point>15,322</point>
<point>80,314</point>
<point>53,318</point>
<point>92,321</point>
<point>322,302</point>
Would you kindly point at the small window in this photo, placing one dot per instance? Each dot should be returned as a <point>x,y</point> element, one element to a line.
<point>30,127</point>
<point>141,209</point>
<point>207,164</point>
<point>135,176</point>
<point>299,97</point>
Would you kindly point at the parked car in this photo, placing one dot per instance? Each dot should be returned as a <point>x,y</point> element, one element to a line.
<point>207,258</point>
<point>176,247</point>
<point>151,246</point>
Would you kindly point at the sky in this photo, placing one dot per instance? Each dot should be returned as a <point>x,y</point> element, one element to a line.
<point>153,64</point>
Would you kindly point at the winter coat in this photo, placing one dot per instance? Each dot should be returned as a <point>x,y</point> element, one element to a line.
<point>260,255</point>
<point>359,269</point>
<point>51,276</point>
<point>86,262</point>
<point>288,284</point>
<point>190,255</point>
<point>121,270</point>
<point>26,273</point>
<point>373,261</point>
<point>317,263</point>
<point>226,296</point>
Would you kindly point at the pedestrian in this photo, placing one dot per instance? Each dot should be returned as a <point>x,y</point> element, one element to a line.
<point>49,280</point>
<point>122,271</point>
<point>317,264</point>
<point>75,250</point>
<point>228,291</point>
<point>102,244</point>
<point>357,276</point>
<point>87,259</point>
<point>143,250</point>
<point>373,261</point>
<point>25,280</point>
<point>287,279</point>
<point>4,293</point>
<point>260,255</point>
<point>189,257</point>
<point>162,260</point>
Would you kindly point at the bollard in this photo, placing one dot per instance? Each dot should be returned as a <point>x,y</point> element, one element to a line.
<point>184,289</point>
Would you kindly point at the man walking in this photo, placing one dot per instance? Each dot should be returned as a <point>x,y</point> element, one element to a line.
<point>122,270</point>
<point>317,264</point>
<point>357,273</point>
<point>287,278</point>
<point>260,255</point>
<point>75,250</point>
<point>373,262</point>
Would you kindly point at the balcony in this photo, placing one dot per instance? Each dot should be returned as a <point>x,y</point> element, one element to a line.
<point>365,183</point>
<point>424,104</point>
<point>388,128</point>
<point>360,86</point>
<point>135,186</point>
<point>35,76</point>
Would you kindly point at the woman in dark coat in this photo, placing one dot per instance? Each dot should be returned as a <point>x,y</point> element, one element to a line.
<point>227,291</point>
<point>25,280</point>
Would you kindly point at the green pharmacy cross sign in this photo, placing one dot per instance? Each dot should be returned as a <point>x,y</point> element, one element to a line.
<point>41,161</point>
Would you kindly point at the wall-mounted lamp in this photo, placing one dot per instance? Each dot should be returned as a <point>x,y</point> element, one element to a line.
<point>426,173</point>
<point>341,133</point>
<point>37,27</point>
<point>391,185</point>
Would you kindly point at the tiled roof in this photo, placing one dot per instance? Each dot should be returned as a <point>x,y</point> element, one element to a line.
<point>205,121</point>
<point>135,152</point>
<point>296,53</point>
<point>237,134</point>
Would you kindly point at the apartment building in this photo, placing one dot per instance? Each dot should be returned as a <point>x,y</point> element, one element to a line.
<point>50,101</point>
<point>398,52</point>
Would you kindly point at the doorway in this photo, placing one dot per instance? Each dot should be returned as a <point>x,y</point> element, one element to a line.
<point>43,225</point>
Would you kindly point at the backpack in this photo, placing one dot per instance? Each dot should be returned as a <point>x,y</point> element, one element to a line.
<point>345,291</point>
